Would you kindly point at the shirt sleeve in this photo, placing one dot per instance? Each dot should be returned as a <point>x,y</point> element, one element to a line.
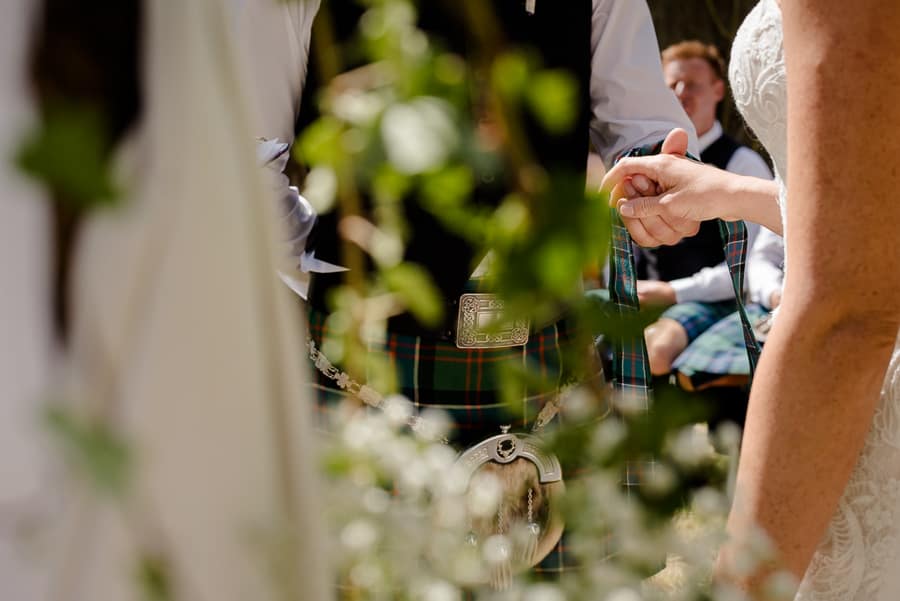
<point>273,41</point>
<point>711,284</point>
<point>630,103</point>
<point>765,267</point>
<point>714,283</point>
<point>746,161</point>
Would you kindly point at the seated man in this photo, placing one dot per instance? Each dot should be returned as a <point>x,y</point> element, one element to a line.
<point>692,275</point>
<point>718,356</point>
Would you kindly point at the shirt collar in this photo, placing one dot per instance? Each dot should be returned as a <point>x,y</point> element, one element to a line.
<point>715,132</point>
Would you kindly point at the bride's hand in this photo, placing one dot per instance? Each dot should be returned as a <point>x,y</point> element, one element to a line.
<point>663,198</point>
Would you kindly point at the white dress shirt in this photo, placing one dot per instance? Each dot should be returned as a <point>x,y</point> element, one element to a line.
<point>712,284</point>
<point>765,267</point>
<point>630,102</point>
<point>273,38</point>
<point>744,161</point>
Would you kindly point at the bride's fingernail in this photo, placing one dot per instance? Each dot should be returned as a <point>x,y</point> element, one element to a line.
<point>626,210</point>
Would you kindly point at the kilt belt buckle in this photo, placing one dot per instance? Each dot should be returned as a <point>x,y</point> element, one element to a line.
<point>480,324</point>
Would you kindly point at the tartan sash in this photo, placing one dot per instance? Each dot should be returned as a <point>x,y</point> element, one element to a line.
<point>631,364</point>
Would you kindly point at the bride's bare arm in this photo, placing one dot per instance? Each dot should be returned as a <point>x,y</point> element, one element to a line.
<point>818,382</point>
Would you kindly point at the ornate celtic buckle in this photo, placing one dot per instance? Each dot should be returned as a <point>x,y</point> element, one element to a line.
<point>476,324</point>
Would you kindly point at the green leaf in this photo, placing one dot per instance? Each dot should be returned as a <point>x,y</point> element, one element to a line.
<point>559,265</point>
<point>320,143</point>
<point>450,186</point>
<point>511,222</point>
<point>153,578</point>
<point>415,288</point>
<point>68,151</point>
<point>94,449</point>
<point>449,69</point>
<point>510,75</point>
<point>553,97</point>
<point>389,185</point>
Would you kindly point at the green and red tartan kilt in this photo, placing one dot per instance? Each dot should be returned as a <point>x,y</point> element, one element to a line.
<point>465,383</point>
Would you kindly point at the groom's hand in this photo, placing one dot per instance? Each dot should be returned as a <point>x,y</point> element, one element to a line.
<point>655,195</point>
<point>675,143</point>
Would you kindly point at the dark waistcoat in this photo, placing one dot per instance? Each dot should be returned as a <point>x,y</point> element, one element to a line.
<point>560,34</point>
<point>692,254</point>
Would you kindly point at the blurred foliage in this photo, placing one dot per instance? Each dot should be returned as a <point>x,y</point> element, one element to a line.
<point>399,507</point>
<point>69,154</point>
<point>96,451</point>
<point>84,73</point>
<point>399,128</point>
<point>154,579</point>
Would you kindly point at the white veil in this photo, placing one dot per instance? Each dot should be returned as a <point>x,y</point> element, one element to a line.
<point>185,339</point>
<point>26,340</point>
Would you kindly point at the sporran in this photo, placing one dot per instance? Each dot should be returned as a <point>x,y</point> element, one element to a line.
<point>527,524</point>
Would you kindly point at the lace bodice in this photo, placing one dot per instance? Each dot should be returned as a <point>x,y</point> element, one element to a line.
<point>758,79</point>
<point>859,557</point>
<point>759,84</point>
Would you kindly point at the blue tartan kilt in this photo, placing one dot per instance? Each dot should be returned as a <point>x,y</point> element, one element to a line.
<point>698,317</point>
<point>720,349</point>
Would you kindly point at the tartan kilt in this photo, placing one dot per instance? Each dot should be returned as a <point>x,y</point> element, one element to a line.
<point>698,317</point>
<point>465,383</point>
<point>720,350</point>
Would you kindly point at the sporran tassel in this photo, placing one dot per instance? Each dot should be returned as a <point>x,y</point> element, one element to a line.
<point>531,534</point>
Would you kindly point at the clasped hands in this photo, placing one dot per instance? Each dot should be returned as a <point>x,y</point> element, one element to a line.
<point>663,198</point>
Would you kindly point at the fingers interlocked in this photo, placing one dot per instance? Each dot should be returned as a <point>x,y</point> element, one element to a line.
<point>647,202</point>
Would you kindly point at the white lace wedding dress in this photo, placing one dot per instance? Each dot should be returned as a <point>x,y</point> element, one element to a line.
<point>859,557</point>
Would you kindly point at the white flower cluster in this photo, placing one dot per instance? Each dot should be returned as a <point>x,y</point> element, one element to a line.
<point>400,511</point>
